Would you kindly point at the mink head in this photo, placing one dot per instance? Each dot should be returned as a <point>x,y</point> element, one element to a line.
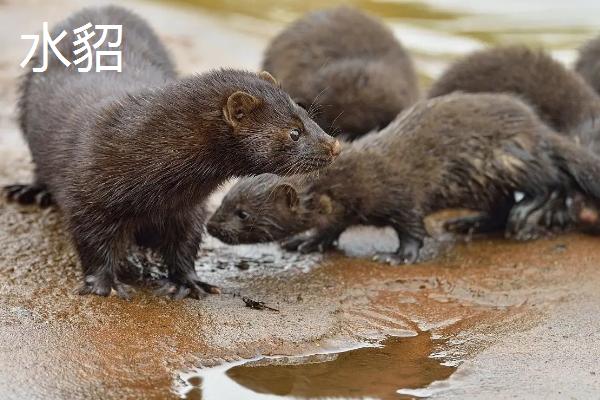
<point>273,133</point>
<point>267,208</point>
<point>354,97</point>
<point>259,209</point>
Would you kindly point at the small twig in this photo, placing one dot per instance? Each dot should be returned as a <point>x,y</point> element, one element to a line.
<point>257,305</point>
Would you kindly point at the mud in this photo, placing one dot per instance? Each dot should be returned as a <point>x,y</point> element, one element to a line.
<point>485,318</point>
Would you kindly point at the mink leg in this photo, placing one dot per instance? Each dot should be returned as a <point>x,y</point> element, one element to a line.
<point>319,241</point>
<point>410,236</point>
<point>100,252</point>
<point>537,215</point>
<point>180,242</point>
<point>557,214</point>
<point>409,248</point>
<point>482,222</point>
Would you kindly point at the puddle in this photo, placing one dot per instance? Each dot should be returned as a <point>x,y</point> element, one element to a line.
<point>375,371</point>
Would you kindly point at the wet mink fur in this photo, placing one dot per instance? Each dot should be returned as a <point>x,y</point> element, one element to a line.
<point>456,151</point>
<point>561,98</point>
<point>346,67</point>
<point>136,153</point>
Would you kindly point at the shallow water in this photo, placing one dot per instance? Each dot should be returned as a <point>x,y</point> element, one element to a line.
<point>391,369</point>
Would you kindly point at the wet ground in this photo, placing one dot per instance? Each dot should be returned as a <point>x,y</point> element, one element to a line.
<point>486,318</point>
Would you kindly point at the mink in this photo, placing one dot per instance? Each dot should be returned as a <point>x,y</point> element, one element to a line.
<point>346,67</point>
<point>588,63</point>
<point>137,152</point>
<point>455,151</point>
<point>561,98</point>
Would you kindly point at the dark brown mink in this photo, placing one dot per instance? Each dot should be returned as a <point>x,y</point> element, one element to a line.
<point>137,152</point>
<point>561,98</point>
<point>588,63</point>
<point>456,151</point>
<point>346,67</point>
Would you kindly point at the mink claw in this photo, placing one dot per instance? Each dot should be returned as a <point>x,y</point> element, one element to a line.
<point>293,243</point>
<point>393,259</point>
<point>29,194</point>
<point>526,233</point>
<point>409,249</point>
<point>101,287</point>
<point>192,288</point>
<point>403,256</point>
<point>311,246</point>
<point>302,245</point>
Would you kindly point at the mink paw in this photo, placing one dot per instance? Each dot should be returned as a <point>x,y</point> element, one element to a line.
<point>527,231</point>
<point>409,249</point>
<point>191,287</point>
<point>103,286</point>
<point>293,243</point>
<point>308,244</point>
<point>560,218</point>
<point>531,219</point>
<point>407,253</point>
<point>29,194</point>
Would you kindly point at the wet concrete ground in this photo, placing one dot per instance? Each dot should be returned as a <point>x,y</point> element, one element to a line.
<point>487,318</point>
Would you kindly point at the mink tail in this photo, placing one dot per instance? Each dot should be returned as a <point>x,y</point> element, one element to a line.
<point>578,163</point>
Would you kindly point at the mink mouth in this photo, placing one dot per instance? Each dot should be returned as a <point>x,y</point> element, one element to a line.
<point>304,165</point>
<point>316,162</point>
<point>223,235</point>
<point>233,238</point>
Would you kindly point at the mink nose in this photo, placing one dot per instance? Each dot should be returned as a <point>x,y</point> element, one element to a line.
<point>335,149</point>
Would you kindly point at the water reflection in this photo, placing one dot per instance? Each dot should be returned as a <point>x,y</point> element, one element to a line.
<point>377,372</point>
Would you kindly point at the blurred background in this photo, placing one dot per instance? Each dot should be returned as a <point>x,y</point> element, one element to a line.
<point>439,30</point>
<point>205,34</point>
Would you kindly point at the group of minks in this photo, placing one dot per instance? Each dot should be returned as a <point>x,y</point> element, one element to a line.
<point>131,157</point>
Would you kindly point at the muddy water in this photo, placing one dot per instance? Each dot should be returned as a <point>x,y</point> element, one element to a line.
<point>381,371</point>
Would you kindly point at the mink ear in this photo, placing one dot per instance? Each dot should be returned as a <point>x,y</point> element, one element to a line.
<point>325,205</point>
<point>265,76</point>
<point>239,105</point>
<point>286,193</point>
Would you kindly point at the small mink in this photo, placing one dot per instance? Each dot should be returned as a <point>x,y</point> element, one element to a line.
<point>561,98</point>
<point>346,67</point>
<point>455,151</point>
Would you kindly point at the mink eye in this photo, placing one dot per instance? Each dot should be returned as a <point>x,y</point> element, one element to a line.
<point>295,134</point>
<point>241,214</point>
